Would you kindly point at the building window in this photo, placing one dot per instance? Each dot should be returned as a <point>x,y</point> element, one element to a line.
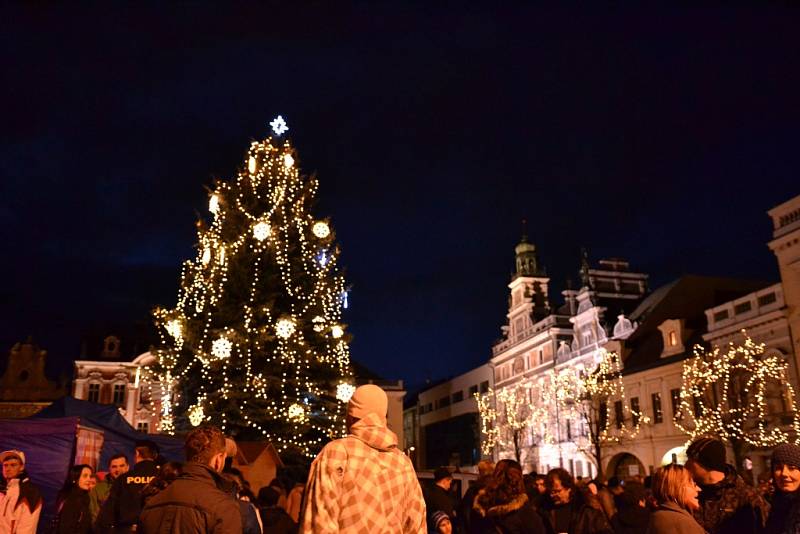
<point>721,315</point>
<point>769,298</point>
<point>658,415</point>
<point>484,386</point>
<point>473,390</point>
<point>458,396</point>
<point>742,307</point>
<point>569,430</point>
<point>119,394</point>
<point>541,356</point>
<point>619,416</point>
<point>697,406</point>
<point>673,338</point>
<point>603,416</point>
<point>94,393</point>
<point>636,412</point>
<point>444,402</point>
<point>143,427</point>
<point>675,397</point>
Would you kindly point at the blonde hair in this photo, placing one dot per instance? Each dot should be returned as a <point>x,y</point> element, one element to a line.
<point>670,483</point>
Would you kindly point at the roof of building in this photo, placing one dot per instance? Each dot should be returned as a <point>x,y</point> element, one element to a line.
<point>686,298</point>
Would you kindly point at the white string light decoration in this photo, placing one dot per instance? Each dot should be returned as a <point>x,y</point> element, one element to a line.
<point>257,299</point>
<point>725,393</point>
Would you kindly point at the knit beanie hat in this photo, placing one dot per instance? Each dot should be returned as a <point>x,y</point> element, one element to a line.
<point>786,454</point>
<point>708,452</point>
<point>438,517</point>
<point>19,455</point>
<point>368,398</point>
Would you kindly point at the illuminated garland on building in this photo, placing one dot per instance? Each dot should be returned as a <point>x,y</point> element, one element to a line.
<point>256,340</point>
<point>724,394</point>
<point>542,405</point>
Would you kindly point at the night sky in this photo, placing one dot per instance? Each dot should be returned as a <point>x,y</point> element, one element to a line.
<point>661,137</point>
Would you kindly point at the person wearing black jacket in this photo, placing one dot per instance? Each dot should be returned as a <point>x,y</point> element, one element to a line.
<point>74,514</point>
<point>568,509</point>
<point>502,505</point>
<point>121,510</point>
<point>438,497</point>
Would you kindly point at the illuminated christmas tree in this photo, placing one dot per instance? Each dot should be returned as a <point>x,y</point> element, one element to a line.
<point>256,343</point>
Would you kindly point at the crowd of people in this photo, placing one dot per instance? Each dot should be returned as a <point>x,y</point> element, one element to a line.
<point>364,484</point>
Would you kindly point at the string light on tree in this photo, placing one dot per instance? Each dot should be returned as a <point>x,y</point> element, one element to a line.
<point>282,387</point>
<point>741,394</point>
<point>337,331</point>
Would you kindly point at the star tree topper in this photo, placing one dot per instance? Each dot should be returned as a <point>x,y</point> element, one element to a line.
<point>279,125</point>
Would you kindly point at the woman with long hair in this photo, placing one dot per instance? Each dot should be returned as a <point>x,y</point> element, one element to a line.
<point>676,494</point>
<point>503,506</point>
<point>74,513</point>
<point>784,516</point>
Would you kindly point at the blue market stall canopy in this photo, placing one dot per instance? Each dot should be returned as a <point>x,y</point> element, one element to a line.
<point>118,435</point>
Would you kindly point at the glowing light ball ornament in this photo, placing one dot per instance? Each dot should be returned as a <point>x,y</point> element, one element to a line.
<point>344,391</point>
<point>284,328</point>
<point>206,256</point>
<point>251,165</point>
<point>262,230</point>
<point>296,413</point>
<point>337,331</point>
<point>213,204</point>
<point>196,415</point>
<point>288,161</point>
<point>321,229</point>
<point>279,125</point>
<point>221,348</point>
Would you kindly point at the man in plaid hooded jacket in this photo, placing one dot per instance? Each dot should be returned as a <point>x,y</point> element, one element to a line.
<point>362,483</point>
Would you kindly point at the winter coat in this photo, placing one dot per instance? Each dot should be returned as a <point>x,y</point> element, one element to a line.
<point>784,514</point>
<point>465,510</point>
<point>584,518</point>
<point>731,507</point>
<point>630,520</point>
<point>277,521</point>
<point>198,501</point>
<point>514,517</point>
<point>669,518</point>
<point>363,484</point>
<point>121,510</point>
<point>20,506</point>
<point>74,514</point>
<point>438,500</point>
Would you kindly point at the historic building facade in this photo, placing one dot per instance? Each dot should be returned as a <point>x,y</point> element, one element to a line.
<point>110,380</point>
<point>24,387</point>
<point>541,339</point>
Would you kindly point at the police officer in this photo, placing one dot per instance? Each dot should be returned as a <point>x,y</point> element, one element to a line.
<point>121,510</point>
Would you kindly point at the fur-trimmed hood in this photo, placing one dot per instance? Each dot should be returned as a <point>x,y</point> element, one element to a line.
<point>498,510</point>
